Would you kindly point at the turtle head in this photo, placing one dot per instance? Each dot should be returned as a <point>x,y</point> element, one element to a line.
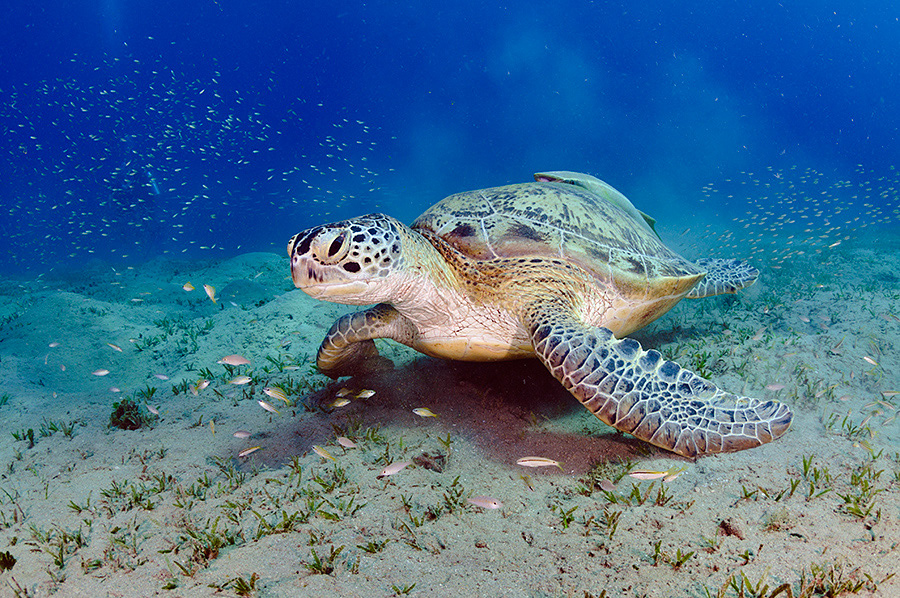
<point>352,261</point>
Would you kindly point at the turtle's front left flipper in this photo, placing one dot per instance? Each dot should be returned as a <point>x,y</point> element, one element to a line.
<point>348,348</point>
<point>640,393</point>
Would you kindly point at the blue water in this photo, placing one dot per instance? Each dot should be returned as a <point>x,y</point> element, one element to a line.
<point>130,130</point>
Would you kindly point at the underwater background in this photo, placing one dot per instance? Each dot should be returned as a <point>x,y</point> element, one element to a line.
<point>156,439</point>
<point>131,129</point>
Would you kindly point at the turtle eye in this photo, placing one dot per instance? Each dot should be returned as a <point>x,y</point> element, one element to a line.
<point>336,245</point>
<point>331,246</point>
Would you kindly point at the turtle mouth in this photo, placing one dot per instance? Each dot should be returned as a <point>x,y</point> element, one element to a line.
<point>323,282</point>
<point>334,291</point>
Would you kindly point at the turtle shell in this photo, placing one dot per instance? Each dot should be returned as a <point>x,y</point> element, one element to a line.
<point>562,221</point>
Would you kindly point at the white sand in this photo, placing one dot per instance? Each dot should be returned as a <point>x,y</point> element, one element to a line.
<point>138,542</point>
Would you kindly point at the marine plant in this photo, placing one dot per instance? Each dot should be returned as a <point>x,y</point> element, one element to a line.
<point>373,546</point>
<point>7,561</point>
<point>127,415</point>
<point>25,435</point>
<point>241,586</point>
<point>323,566</point>
<point>565,517</point>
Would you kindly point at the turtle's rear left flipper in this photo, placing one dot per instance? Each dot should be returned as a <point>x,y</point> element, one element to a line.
<point>723,276</point>
<point>640,393</point>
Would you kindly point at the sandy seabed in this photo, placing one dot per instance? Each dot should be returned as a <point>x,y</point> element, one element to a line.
<point>171,509</point>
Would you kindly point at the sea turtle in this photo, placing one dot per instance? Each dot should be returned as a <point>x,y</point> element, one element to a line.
<point>561,269</point>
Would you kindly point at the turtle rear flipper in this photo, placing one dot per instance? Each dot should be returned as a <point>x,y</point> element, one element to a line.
<point>640,393</point>
<point>723,276</point>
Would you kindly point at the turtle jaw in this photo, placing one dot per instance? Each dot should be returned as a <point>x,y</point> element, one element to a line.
<point>327,283</point>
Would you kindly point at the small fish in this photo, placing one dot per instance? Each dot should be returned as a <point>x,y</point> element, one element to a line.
<point>248,451</point>
<point>424,412</point>
<point>835,244</point>
<point>212,426</point>
<point>241,434</point>
<point>322,452</point>
<point>759,334</point>
<point>100,372</point>
<point>210,292</point>
<point>276,393</point>
<point>196,388</point>
<point>393,468</point>
<point>607,485</point>
<point>114,347</point>
<point>645,474</point>
<point>161,376</point>
<point>234,360</point>
<point>674,473</point>
<point>342,392</point>
<point>188,286</point>
<point>240,380</point>
<point>485,502</point>
<point>115,389</point>
<point>345,442</point>
<point>871,361</point>
<point>268,407</point>
<point>365,394</point>
<point>774,387</point>
<point>890,393</point>
<point>538,462</point>
<point>804,319</point>
<point>667,475</point>
<point>53,344</point>
<point>152,409</point>
<point>342,402</point>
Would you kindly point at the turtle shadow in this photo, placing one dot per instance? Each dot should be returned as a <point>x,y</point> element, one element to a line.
<point>507,410</point>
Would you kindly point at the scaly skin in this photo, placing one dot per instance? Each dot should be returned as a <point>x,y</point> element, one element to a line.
<point>547,270</point>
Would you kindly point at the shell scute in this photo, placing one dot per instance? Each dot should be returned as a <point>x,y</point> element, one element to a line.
<point>553,220</point>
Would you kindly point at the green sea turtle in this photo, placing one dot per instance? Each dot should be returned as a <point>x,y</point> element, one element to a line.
<point>560,269</point>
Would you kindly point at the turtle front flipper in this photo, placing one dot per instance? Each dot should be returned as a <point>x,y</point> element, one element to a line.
<point>640,393</point>
<point>723,276</point>
<point>348,348</point>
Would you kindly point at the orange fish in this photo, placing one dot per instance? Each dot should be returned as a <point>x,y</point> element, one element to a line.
<point>485,502</point>
<point>393,468</point>
<point>246,452</point>
<point>268,407</point>
<point>346,442</point>
<point>234,360</point>
<point>210,291</point>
